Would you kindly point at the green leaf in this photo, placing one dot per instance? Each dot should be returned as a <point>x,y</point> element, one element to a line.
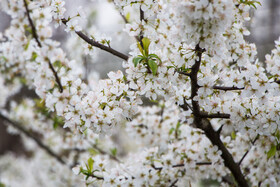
<point>2,185</point>
<point>85,132</point>
<point>124,78</point>
<point>57,63</point>
<point>233,135</point>
<point>34,56</point>
<point>22,80</point>
<point>90,165</point>
<point>171,131</point>
<point>154,56</point>
<point>114,151</point>
<point>27,45</point>
<point>250,3</point>
<point>93,151</point>
<point>153,65</point>
<point>137,60</point>
<point>4,58</point>
<point>82,122</point>
<point>178,125</point>
<point>127,16</point>
<point>146,43</point>
<point>55,123</point>
<point>140,48</point>
<point>277,135</point>
<point>103,105</point>
<point>271,152</point>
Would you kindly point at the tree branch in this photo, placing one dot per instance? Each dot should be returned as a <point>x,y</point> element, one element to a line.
<point>33,137</point>
<point>182,165</point>
<point>40,143</point>
<point>183,73</point>
<point>229,162</point>
<point>35,36</point>
<point>217,115</point>
<point>126,21</point>
<point>246,153</point>
<point>173,183</point>
<point>205,125</point>
<point>226,88</point>
<point>98,45</point>
<point>142,17</point>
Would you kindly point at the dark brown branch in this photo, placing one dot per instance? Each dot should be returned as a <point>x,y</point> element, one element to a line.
<point>203,163</point>
<point>99,45</point>
<point>205,125</point>
<point>182,165</point>
<point>229,162</point>
<point>33,137</point>
<point>217,115</point>
<point>33,28</point>
<point>183,73</point>
<point>228,179</point>
<point>142,17</point>
<point>35,36</point>
<point>173,183</point>
<point>246,153</point>
<point>97,177</point>
<point>226,88</point>
<point>126,21</point>
<point>40,143</point>
<point>220,129</point>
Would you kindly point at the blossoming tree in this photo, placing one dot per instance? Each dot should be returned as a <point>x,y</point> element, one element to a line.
<point>216,108</point>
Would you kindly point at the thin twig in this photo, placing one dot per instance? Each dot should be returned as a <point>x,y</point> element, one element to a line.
<point>182,165</point>
<point>126,21</point>
<point>142,18</point>
<point>40,143</point>
<point>97,177</point>
<point>33,137</point>
<point>35,36</point>
<point>246,153</point>
<point>226,88</point>
<point>98,45</point>
<point>173,183</point>
<point>217,115</point>
<point>33,28</point>
<point>183,73</point>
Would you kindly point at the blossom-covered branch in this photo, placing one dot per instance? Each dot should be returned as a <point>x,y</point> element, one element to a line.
<point>35,36</point>
<point>206,126</point>
<point>33,137</point>
<point>98,45</point>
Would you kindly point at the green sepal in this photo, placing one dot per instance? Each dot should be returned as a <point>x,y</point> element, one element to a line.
<point>114,151</point>
<point>271,152</point>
